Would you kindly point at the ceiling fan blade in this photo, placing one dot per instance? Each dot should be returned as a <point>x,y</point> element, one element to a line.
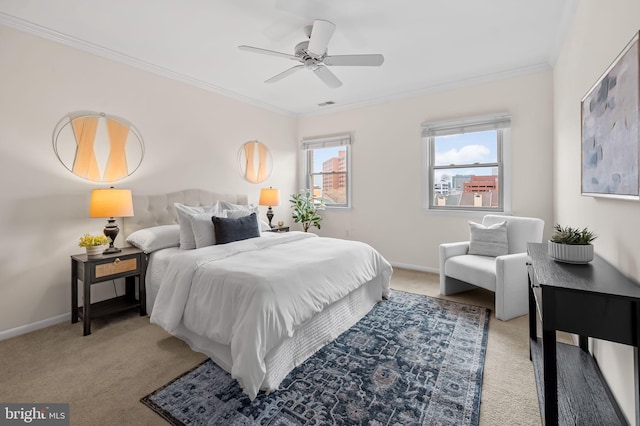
<point>320,35</point>
<point>327,77</point>
<point>357,60</point>
<point>284,74</point>
<point>267,52</point>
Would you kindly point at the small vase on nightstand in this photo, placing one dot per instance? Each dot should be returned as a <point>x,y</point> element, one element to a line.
<point>95,250</point>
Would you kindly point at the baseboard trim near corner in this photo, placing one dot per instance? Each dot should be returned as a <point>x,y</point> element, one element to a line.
<point>27,328</point>
<point>415,267</point>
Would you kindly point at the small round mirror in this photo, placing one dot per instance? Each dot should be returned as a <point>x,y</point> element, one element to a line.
<point>255,161</point>
<point>98,147</point>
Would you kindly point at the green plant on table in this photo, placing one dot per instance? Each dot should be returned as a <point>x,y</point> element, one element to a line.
<point>88,240</point>
<point>572,236</point>
<point>305,209</point>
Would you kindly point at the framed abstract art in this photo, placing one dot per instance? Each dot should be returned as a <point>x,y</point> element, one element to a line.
<point>610,131</point>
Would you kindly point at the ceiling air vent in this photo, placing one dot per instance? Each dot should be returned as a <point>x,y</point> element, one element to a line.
<point>326,103</point>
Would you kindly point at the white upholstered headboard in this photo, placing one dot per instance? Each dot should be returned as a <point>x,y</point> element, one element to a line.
<point>154,210</point>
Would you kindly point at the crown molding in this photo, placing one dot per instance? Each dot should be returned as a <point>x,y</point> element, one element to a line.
<point>67,40</point>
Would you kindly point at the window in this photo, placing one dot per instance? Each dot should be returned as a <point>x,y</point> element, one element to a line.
<point>467,164</point>
<point>327,169</point>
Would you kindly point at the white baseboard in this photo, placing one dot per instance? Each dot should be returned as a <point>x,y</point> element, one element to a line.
<point>27,328</point>
<point>414,267</point>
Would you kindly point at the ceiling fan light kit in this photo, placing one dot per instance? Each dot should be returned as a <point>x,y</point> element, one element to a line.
<point>312,54</point>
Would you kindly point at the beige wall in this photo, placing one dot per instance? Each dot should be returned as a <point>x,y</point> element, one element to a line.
<point>191,137</point>
<point>599,32</point>
<point>387,165</point>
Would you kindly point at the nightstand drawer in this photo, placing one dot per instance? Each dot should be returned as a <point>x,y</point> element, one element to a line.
<point>116,267</point>
<point>111,267</point>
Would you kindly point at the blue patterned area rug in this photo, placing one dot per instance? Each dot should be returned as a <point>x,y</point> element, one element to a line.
<point>412,360</point>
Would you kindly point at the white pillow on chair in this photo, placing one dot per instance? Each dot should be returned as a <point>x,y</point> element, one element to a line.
<point>488,240</point>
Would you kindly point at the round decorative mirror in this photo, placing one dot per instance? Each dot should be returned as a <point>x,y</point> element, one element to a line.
<point>97,146</point>
<point>255,161</point>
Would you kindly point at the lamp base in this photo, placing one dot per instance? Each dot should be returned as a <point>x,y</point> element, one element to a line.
<point>111,231</point>
<point>112,250</point>
<point>270,216</point>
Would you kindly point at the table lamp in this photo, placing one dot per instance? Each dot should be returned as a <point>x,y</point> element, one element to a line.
<point>111,203</point>
<point>269,197</point>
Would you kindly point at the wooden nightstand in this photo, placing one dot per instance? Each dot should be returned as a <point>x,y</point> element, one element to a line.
<point>279,229</point>
<point>130,264</point>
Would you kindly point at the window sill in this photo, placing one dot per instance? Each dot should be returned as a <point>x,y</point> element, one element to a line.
<point>464,213</point>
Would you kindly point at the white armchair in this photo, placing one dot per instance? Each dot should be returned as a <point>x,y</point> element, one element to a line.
<point>505,275</point>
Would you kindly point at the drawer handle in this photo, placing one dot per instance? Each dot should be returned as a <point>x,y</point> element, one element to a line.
<point>117,261</point>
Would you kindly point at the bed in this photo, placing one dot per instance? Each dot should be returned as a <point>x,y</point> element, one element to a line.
<point>259,306</point>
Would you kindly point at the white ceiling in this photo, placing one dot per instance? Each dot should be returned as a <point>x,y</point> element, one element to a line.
<point>427,44</point>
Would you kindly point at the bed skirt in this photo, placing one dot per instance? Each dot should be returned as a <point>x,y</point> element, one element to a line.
<point>307,339</point>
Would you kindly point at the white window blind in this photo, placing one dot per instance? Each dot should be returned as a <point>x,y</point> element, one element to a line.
<point>326,142</point>
<point>461,126</point>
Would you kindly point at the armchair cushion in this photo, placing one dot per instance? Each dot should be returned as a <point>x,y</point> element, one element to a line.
<point>488,240</point>
<point>479,270</point>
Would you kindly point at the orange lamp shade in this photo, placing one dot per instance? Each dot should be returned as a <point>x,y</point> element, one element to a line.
<point>269,197</point>
<point>111,202</point>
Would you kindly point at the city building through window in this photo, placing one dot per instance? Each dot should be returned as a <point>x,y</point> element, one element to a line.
<point>327,169</point>
<point>466,164</point>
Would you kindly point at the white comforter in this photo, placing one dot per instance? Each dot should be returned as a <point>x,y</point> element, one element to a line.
<point>252,294</point>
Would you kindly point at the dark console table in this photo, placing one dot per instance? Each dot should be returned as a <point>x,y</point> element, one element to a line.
<point>590,300</point>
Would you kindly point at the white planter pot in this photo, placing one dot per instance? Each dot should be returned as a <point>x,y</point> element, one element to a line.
<point>95,250</point>
<point>581,253</point>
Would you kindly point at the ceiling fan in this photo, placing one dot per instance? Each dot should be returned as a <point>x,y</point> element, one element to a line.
<point>312,54</point>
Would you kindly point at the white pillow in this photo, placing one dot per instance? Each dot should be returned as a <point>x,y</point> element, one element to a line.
<point>187,238</point>
<point>488,240</point>
<point>155,238</point>
<point>225,205</point>
<point>235,214</point>
<point>203,230</point>
<point>235,211</point>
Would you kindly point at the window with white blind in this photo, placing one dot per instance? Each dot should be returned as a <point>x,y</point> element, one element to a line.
<point>327,168</point>
<point>467,164</point>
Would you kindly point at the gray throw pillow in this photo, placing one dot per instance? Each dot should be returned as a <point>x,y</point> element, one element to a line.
<point>488,240</point>
<point>228,230</point>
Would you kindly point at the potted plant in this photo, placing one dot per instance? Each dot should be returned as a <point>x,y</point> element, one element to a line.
<point>305,209</point>
<point>94,244</point>
<point>571,245</point>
